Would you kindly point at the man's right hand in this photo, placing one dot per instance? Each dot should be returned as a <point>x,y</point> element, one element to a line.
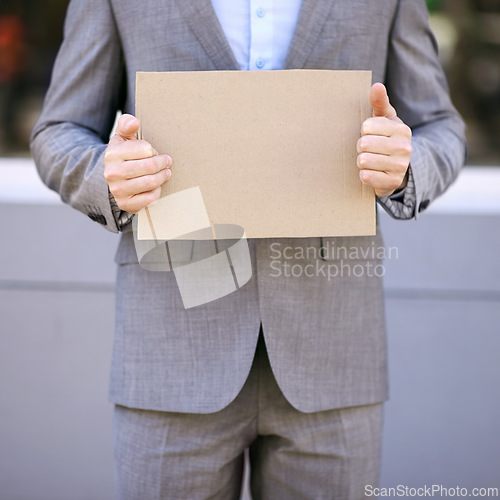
<point>133,169</point>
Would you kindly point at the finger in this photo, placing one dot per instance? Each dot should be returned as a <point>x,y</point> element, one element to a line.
<point>131,169</point>
<point>139,201</point>
<point>120,150</point>
<point>371,161</point>
<point>389,164</point>
<point>147,166</point>
<point>375,144</point>
<point>139,185</point>
<point>127,127</point>
<point>379,101</point>
<point>382,183</point>
<point>385,127</point>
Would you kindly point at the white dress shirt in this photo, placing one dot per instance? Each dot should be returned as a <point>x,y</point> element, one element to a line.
<point>259,32</point>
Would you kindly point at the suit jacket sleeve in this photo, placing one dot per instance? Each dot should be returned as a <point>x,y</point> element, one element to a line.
<point>418,90</point>
<point>87,87</point>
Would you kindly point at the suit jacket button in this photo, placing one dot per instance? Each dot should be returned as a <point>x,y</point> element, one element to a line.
<point>96,217</point>
<point>423,205</point>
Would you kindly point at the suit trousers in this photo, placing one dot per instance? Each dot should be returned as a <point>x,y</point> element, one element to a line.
<point>330,454</point>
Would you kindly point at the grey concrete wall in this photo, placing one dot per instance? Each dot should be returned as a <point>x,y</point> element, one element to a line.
<point>56,331</point>
<point>56,326</point>
<point>443,311</point>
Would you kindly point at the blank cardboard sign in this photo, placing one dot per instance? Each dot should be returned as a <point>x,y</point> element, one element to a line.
<point>271,151</point>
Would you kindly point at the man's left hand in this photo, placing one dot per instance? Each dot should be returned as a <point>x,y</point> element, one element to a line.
<point>384,148</point>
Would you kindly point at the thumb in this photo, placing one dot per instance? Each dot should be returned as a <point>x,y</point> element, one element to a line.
<point>127,127</point>
<point>379,101</point>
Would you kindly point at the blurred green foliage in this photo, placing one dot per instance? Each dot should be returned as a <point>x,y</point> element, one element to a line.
<point>434,5</point>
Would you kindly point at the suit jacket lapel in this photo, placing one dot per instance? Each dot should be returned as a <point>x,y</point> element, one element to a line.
<point>202,19</point>
<point>312,18</point>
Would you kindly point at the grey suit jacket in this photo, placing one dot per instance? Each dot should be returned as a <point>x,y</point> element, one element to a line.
<point>325,335</point>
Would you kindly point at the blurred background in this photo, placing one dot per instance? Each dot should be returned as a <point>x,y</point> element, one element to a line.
<point>57,277</point>
<point>30,34</point>
<point>468,32</point>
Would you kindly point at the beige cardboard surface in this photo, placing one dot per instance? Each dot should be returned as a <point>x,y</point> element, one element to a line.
<point>271,151</point>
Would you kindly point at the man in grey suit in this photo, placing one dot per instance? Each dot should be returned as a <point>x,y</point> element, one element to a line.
<point>292,367</point>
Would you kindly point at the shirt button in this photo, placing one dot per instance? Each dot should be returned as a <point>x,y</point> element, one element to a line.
<point>260,63</point>
<point>261,12</point>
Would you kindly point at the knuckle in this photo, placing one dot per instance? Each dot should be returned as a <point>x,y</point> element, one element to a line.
<point>109,173</point>
<point>402,164</point>
<point>109,155</point>
<point>407,150</point>
<point>146,149</point>
<point>405,130</point>
<point>162,163</point>
<point>365,127</point>
<point>362,160</point>
<point>364,176</point>
<point>404,148</point>
<point>363,143</point>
